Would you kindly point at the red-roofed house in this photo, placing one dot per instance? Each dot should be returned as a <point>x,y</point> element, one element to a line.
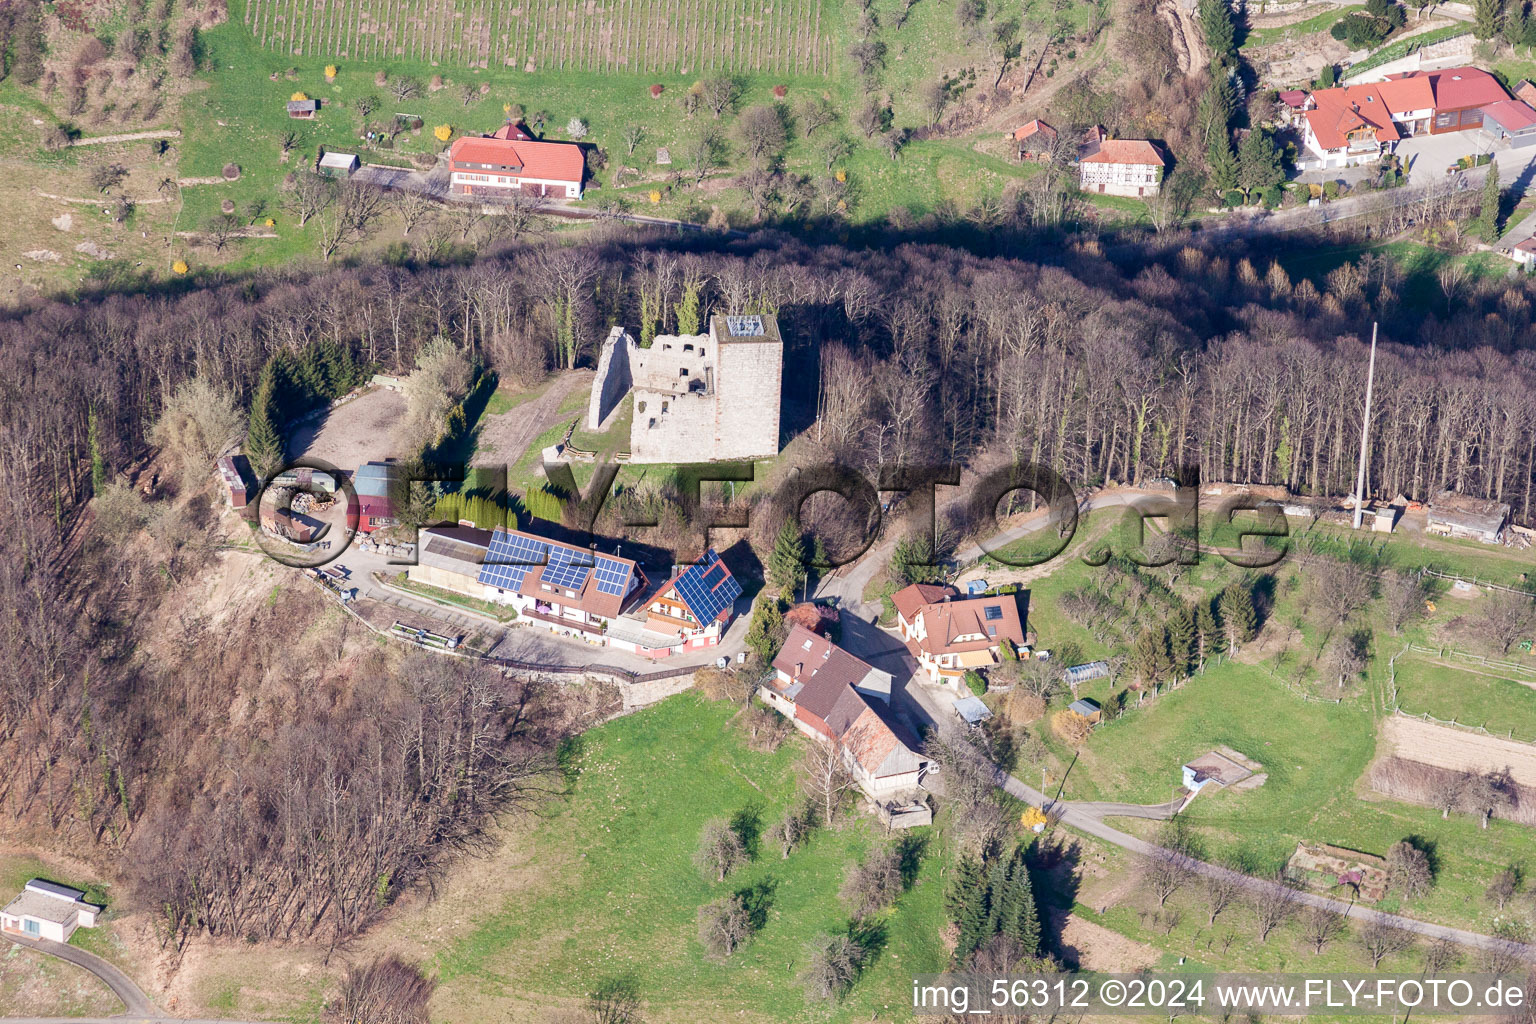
<point>948,634</point>
<point>834,697</point>
<point>1121,167</point>
<point>1356,124</point>
<point>1524,253</point>
<point>494,166</point>
<point>1525,92</point>
<point>1035,140</point>
<point>1348,126</point>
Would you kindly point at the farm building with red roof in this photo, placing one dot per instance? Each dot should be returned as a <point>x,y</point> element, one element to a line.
<point>512,161</point>
<point>1121,167</point>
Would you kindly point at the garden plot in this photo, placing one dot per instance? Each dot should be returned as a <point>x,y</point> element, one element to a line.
<point>1445,747</point>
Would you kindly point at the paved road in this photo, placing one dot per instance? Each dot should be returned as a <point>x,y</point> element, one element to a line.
<point>137,1004</point>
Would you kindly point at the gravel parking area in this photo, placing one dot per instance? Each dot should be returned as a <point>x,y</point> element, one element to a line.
<point>352,434</point>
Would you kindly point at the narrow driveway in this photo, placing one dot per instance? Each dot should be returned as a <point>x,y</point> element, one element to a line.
<point>136,1003</point>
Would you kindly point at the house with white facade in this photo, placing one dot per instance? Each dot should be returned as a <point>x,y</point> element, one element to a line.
<point>1349,125</point>
<point>564,588</point>
<point>47,910</point>
<point>1121,167</point>
<point>949,635</point>
<point>511,160</point>
<point>834,697</point>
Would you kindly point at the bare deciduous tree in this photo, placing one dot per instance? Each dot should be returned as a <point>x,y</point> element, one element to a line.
<point>1320,926</point>
<point>832,965</point>
<point>1272,906</point>
<point>825,777</point>
<point>1220,892</point>
<point>720,850</point>
<point>385,991</point>
<point>199,422</point>
<point>720,93</point>
<point>724,926</point>
<point>1379,938</point>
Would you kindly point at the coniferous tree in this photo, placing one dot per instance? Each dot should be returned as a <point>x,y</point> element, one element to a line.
<point>1219,30</point>
<point>1490,207</point>
<point>27,43</point>
<point>1223,163</point>
<point>966,904</point>
<point>1237,615</point>
<point>1487,17</point>
<point>1149,655</point>
<point>1207,633</point>
<point>786,562</point>
<point>1258,162</point>
<point>1016,915</point>
<point>98,460</point>
<point>1181,642</point>
<point>766,631</point>
<point>263,441</point>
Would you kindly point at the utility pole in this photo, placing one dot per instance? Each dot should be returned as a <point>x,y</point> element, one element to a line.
<point>1365,432</point>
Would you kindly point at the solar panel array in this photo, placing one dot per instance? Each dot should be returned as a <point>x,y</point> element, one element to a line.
<point>704,599</point>
<point>568,568</point>
<point>612,577</point>
<point>745,326</point>
<point>509,559</point>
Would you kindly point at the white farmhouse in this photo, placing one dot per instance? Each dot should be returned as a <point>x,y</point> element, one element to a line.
<point>1121,167</point>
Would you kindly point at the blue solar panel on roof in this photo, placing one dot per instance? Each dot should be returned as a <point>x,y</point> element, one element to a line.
<point>704,600</point>
<point>509,559</point>
<point>612,577</point>
<point>566,568</point>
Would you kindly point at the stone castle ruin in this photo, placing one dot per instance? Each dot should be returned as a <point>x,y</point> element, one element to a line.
<point>698,397</point>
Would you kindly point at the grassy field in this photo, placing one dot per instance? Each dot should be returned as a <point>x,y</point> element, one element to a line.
<point>1471,695</point>
<point>1296,30</point>
<point>501,613</point>
<point>614,893</point>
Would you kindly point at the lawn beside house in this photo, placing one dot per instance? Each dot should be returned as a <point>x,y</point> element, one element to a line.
<point>614,892</point>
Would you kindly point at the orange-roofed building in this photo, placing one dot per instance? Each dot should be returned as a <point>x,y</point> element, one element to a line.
<point>948,634</point>
<point>495,165</point>
<point>1121,167</point>
<point>1355,124</point>
<point>1348,126</point>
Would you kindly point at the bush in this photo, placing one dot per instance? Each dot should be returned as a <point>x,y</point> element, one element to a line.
<point>1274,195</point>
<point>975,681</point>
<point>1233,198</point>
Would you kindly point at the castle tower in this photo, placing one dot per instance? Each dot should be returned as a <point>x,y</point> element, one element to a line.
<point>749,371</point>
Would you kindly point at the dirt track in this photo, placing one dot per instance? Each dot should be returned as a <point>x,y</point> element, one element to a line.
<point>1443,746</point>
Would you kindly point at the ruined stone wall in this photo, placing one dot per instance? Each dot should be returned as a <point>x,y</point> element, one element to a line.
<point>613,377</point>
<point>672,428</point>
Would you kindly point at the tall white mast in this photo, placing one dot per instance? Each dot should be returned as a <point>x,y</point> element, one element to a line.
<point>1365,433</point>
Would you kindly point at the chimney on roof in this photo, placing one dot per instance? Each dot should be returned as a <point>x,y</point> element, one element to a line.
<point>799,667</point>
